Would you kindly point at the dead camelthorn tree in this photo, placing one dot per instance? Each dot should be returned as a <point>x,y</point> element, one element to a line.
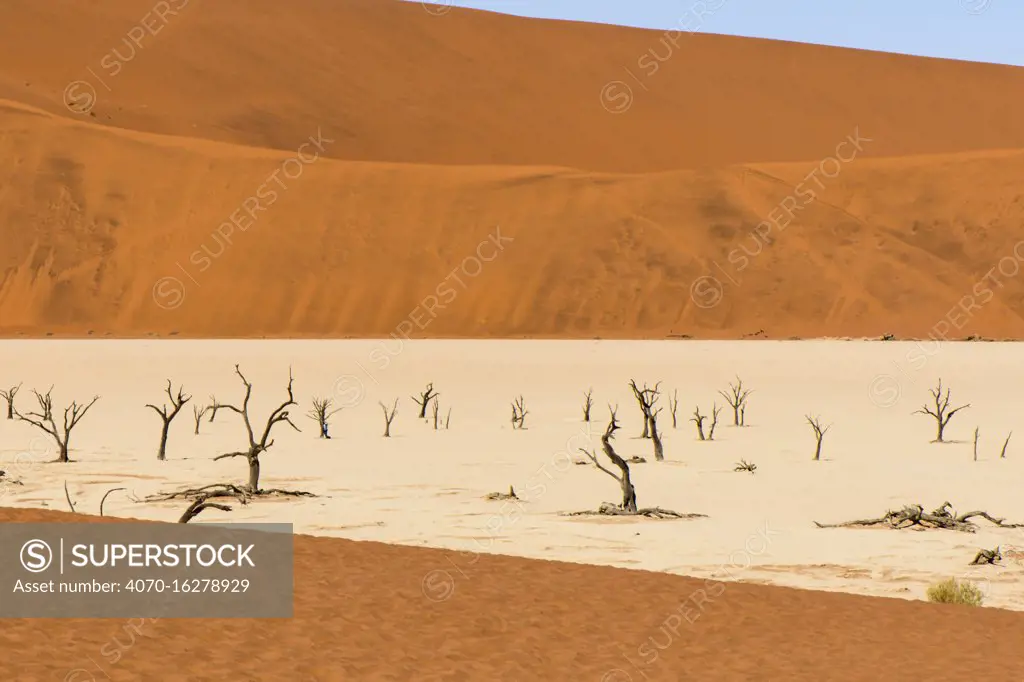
<point>941,412</point>
<point>588,402</point>
<point>43,419</point>
<point>715,409</point>
<point>321,412</point>
<point>167,414</point>
<point>737,400</point>
<point>625,483</point>
<point>257,447</point>
<point>673,405</point>
<point>646,398</point>
<point>819,433</point>
<point>698,419</point>
<point>519,413</point>
<point>424,399</point>
<point>976,432</point>
<point>8,395</point>
<point>434,408</point>
<point>628,506</point>
<point>389,417</point>
<point>198,413</point>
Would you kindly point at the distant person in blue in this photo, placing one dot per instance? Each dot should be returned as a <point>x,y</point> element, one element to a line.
<point>323,431</point>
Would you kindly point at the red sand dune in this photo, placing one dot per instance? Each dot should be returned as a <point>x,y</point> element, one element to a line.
<point>510,619</point>
<point>437,129</point>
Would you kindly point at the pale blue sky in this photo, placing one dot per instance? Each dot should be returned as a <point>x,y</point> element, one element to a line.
<point>974,30</point>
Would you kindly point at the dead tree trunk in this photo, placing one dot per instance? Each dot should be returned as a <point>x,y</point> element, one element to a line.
<point>976,443</point>
<point>425,397</point>
<point>167,414</point>
<point>698,419</point>
<point>198,413</point>
<point>389,417</point>
<point>8,395</point>
<point>646,398</point>
<point>941,412</point>
<point>673,405</point>
<point>44,420</point>
<point>587,404</point>
<point>448,419</point>
<point>819,433</point>
<point>715,409</point>
<point>519,413</point>
<point>625,484</point>
<point>434,410</point>
<point>322,412</point>
<point>1002,454</point>
<point>256,447</point>
<point>659,450</point>
<point>737,400</point>
<point>214,406</point>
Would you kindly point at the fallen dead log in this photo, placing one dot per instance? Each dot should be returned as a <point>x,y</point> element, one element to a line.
<point>914,516</point>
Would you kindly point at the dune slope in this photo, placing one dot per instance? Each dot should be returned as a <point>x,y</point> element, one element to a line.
<point>398,84</point>
<point>437,615</point>
<point>126,233</point>
<point>365,150</point>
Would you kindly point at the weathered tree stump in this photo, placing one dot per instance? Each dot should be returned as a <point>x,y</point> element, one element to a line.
<point>986,556</point>
<point>510,495</point>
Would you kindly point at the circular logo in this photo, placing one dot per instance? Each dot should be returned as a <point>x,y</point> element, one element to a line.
<point>884,391</point>
<point>975,6</point>
<point>80,97</point>
<point>438,586</point>
<point>168,293</point>
<point>349,390</point>
<point>437,8</point>
<point>706,291</point>
<point>616,97</point>
<point>36,556</point>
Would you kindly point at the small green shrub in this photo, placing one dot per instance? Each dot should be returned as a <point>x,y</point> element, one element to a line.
<point>954,591</point>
